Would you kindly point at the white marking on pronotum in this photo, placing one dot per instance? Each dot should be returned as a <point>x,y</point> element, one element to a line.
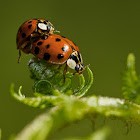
<point>42,26</point>
<point>71,63</point>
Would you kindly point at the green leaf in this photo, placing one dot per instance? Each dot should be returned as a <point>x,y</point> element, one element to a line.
<point>38,129</point>
<point>131,82</point>
<point>39,101</point>
<point>67,108</point>
<point>85,87</point>
<point>52,79</point>
<point>49,84</point>
<point>70,109</point>
<point>43,86</point>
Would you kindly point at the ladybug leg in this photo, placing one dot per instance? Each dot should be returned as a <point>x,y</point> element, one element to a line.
<point>19,56</point>
<point>31,41</point>
<point>75,72</point>
<point>35,59</point>
<point>80,72</point>
<point>59,67</point>
<point>33,37</point>
<point>46,68</point>
<point>64,73</point>
<point>30,63</point>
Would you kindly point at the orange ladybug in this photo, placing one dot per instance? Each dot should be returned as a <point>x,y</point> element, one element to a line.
<point>30,31</point>
<point>58,50</point>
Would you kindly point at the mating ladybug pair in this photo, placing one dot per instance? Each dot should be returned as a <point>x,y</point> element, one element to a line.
<point>37,36</point>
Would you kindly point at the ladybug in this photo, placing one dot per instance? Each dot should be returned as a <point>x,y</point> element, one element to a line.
<point>58,50</point>
<point>30,31</point>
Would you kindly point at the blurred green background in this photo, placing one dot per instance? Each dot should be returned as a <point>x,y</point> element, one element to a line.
<point>105,31</point>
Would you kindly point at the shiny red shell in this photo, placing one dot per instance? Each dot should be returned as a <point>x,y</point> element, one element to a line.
<point>55,49</point>
<point>29,31</point>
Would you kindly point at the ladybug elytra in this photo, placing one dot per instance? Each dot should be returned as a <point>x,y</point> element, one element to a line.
<point>58,50</point>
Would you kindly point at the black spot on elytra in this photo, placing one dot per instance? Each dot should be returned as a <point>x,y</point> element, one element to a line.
<point>64,49</point>
<point>39,43</point>
<point>46,56</point>
<point>29,21</point>
<point>36,50</point>
<point>63,36</point>
<point>60,56</point>
<point>47,46</point>
<point>58,39</point>
<point>23,35</point>
<point>30,26</point>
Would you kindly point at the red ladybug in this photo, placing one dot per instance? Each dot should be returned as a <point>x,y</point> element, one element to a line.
<point>31,30</point>
<point>58,50</point>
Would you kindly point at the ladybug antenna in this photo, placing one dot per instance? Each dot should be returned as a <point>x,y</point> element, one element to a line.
<point>57,31</point>
<point>86,66</point>
<point>80,72</point>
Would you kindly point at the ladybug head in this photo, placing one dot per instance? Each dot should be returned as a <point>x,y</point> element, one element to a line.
<point>45,26</point>
<point>75,61</point>
<point>50,28</point>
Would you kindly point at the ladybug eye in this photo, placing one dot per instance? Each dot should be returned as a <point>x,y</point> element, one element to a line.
<point>77,67</point>
<point>81,69</point>
<point>48,28</point>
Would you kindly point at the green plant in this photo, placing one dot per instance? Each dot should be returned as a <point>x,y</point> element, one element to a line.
<point>67,105</point>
